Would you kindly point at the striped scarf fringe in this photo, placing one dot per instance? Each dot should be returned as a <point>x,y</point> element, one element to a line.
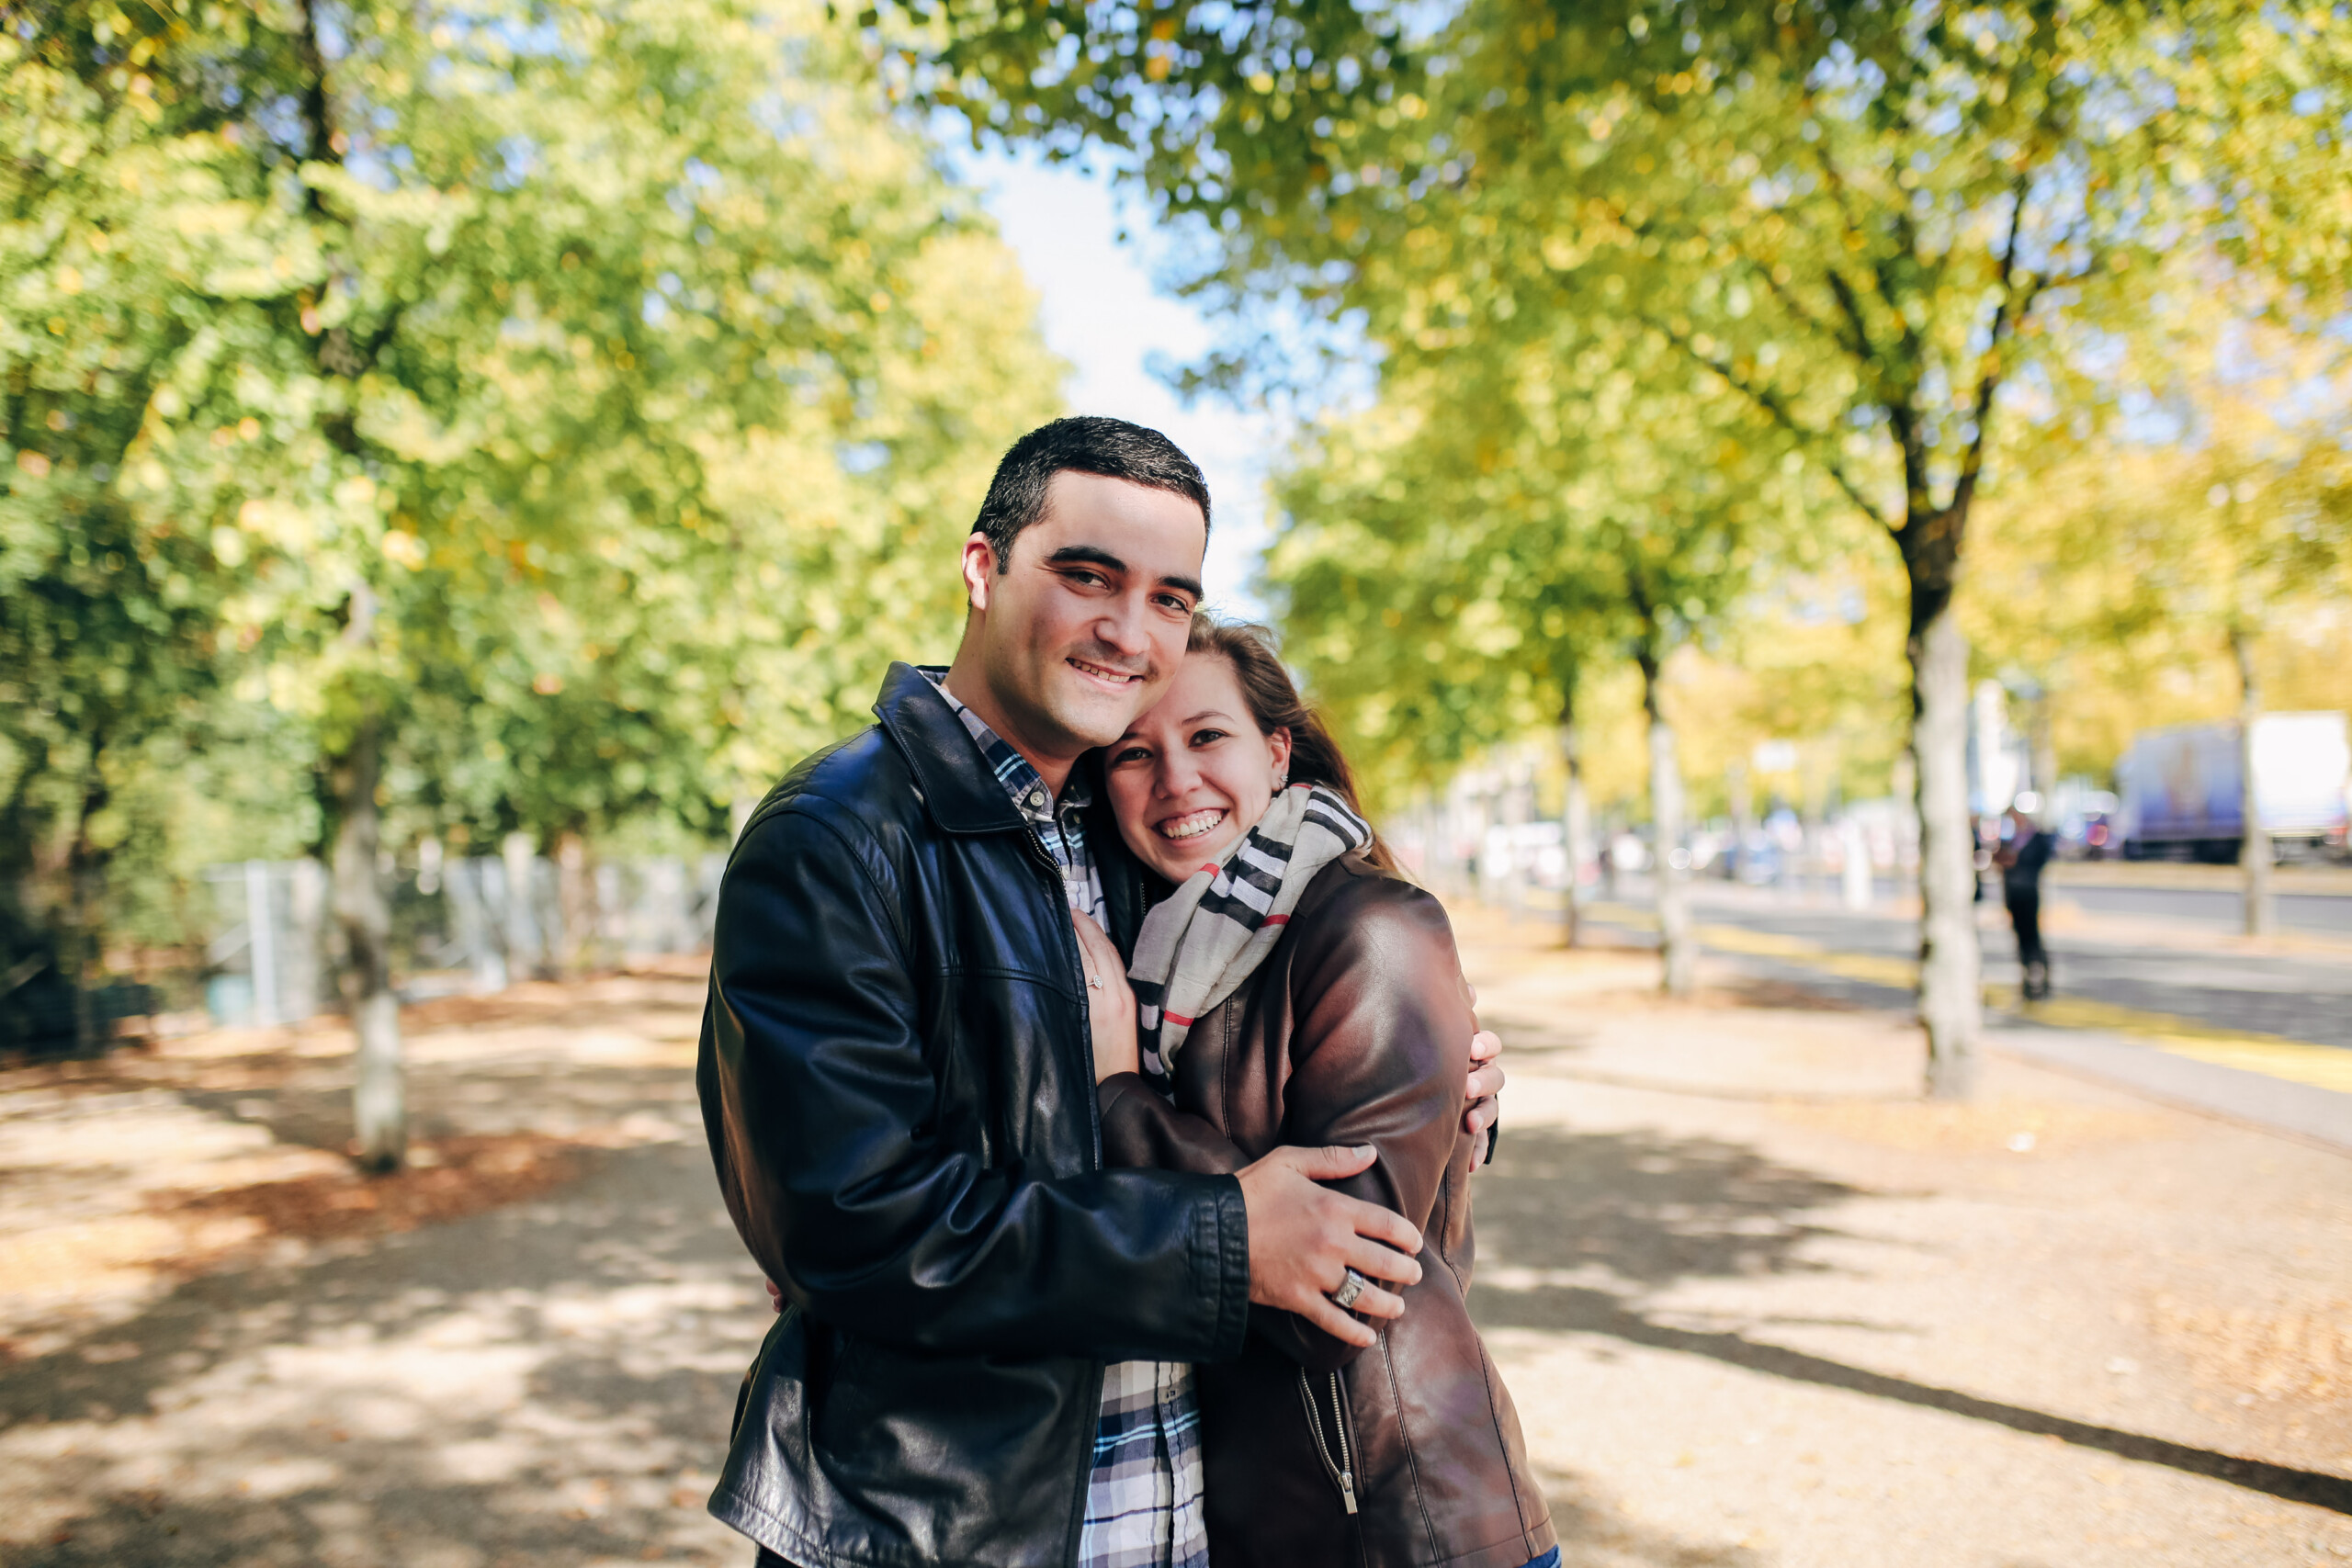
<point>1198,945</point>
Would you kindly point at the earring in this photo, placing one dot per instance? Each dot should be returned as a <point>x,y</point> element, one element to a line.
<point>1282,781</point>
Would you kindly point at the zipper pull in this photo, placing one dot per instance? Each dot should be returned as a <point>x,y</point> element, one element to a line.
<point>1348,1489</point>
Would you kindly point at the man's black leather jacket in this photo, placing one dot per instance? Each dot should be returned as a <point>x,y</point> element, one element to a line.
<point>898,1087</point>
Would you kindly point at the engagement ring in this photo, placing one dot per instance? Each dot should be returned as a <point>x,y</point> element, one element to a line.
<point>1350,1289</point>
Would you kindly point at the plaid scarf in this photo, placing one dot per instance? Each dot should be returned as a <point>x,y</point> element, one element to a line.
<point>1203,941</point>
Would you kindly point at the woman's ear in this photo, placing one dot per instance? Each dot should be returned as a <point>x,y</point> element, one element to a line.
<point>1278,752</point>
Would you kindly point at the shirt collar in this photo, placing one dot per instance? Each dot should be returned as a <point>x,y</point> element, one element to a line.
<point>1021,780</point>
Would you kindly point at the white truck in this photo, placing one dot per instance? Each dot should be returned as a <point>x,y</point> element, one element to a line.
<point>2182,791</point>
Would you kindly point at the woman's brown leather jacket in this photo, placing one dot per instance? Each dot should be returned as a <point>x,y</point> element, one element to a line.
<point>1354,1029</point>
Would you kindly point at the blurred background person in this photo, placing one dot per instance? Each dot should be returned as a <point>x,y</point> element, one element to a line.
<point>2025,850</point>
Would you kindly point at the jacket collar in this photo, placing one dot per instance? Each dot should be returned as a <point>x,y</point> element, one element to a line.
<point>957,789</point>
<point>963,797</point>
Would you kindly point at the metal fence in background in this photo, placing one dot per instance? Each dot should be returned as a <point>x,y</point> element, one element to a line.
<point>266,961</point>
<point>471,925</point>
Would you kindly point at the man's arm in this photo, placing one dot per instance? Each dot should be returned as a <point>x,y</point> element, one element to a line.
<point>821,1110</point>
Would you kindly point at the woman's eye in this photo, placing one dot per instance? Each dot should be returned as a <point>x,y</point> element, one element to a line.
<point>1207,737</point>
<point>1132,754</point>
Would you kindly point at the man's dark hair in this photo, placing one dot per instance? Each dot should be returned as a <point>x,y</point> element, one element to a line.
<point>1088,443</point>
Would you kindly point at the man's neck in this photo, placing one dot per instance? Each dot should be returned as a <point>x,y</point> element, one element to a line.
<point>968,686</point>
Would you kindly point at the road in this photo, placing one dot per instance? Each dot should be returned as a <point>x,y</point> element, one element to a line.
<point>2322,914</point>
<point>2154,989</point>
<point>2166,953</point>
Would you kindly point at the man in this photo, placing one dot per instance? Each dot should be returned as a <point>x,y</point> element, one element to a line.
<point>983,1354</point>
<point>2025,850</point>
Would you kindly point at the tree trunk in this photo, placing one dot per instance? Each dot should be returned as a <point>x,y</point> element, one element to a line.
<point>1743,815</point>
<point>1576,815</point>
<point>2253,843</point>
<point>1676,948</point>
<point>82,953</point>
<point>84,958</point>
<point>527,952</point>
<point>579,951</point>
<point>1950,997</point>
<point>1518,808</point>
<point>379,1104</point>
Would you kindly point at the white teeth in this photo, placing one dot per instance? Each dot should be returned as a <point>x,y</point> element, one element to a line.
<point>1102,674</point>
<point>1191,825</point>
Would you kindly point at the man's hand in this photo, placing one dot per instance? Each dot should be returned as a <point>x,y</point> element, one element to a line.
<point>1304,1239</point>
<point>1486,1082</point>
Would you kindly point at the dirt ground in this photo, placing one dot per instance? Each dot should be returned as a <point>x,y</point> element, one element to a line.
<point>1757,1304</point>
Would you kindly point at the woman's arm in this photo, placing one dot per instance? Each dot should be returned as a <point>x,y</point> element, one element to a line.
<point>1380,1048</point>
<point>1294,1250</point>
<point>1382,1023</point>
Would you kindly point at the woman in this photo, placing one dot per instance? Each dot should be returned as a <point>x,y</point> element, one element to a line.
<point>1293,989</point>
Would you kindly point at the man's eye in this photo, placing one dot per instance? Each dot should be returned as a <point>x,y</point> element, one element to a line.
<point>1086,579</point>
<point>1176,603</point>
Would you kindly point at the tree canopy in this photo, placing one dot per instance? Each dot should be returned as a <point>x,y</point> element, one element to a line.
<point>580,399</point>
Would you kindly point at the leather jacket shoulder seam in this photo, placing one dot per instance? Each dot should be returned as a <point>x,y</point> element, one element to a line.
<point>863,853</point>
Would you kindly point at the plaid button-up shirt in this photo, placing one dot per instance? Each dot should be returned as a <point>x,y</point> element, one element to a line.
<point>1143,1502</point>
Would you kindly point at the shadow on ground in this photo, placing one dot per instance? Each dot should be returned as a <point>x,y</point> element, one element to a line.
<point>1640,1212</point>
<point>1593,1532</point>
<point>550,1382</point>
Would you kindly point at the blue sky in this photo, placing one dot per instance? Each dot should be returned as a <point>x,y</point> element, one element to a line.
<point>1101,312</point>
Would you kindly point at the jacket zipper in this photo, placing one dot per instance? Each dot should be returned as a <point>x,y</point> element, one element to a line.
<point>1341,1470</point>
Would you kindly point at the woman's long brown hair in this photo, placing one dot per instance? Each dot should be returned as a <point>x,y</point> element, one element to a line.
<point>1275,703</point>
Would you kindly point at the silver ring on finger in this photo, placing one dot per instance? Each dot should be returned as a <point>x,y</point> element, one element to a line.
<point>1352,1287</point>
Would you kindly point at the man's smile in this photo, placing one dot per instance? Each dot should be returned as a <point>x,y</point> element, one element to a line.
<point>1117,679</point>
<point>1191,824</point>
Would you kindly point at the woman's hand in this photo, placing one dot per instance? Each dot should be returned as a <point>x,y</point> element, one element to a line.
<point>1110,1001</point>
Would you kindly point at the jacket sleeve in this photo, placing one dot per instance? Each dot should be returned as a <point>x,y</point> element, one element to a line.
<point>821,1104</point>
<point>1141,1130</point>
<point>1379,1049</point>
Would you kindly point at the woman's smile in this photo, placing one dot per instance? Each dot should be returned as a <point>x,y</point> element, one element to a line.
<point>1190,824</point>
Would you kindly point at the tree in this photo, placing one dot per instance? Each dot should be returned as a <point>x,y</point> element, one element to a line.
<point>110,611</point>
<point>492,334</point>
<point>1504,557</point>
<point>1857,215</point>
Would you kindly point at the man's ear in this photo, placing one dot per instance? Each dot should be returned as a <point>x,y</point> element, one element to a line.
<point>980,567</point>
